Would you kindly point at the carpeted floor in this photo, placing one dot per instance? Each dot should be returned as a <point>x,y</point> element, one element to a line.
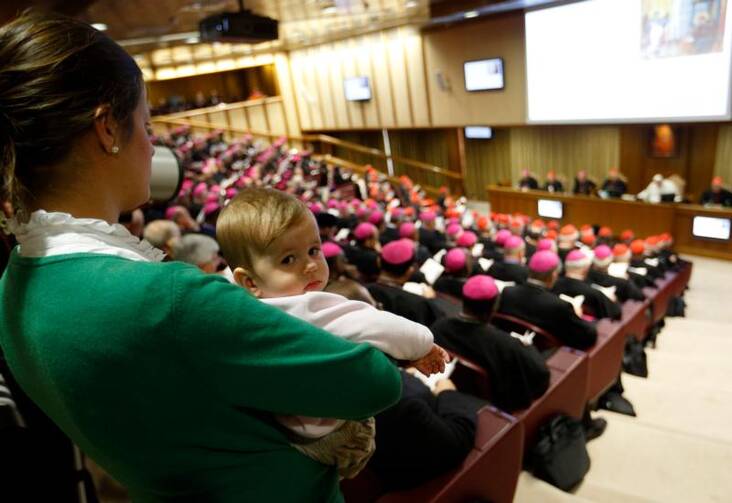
<point>679,448</point>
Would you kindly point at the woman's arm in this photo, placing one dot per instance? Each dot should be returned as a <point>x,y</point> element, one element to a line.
<point>254,355</point>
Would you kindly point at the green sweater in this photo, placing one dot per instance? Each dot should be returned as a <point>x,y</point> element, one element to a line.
<point>162,374</point>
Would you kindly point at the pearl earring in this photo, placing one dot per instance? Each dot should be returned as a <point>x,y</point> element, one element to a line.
<point>115,149</point>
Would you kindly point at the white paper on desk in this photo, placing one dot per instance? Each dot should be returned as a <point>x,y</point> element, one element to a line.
<point>608,291</point>
<point>618,270</point>
<point>587,251</point>
<point>438,256</point>
<point>575,302</point>
<point>653,262</point>
<point>477,250</point>
<point>440,224</point>
<point>526,339</point>
<point>485,263</point>
<point>640,271</point>
<point>415,288</point>
<point>431,381</point>
<point>393,203</point>
<point>342,234</point>
<point>432,270</point>
<point>418,224</point>
<point>468,220</point>
<point>387,217</point>
<point>335,212</point>
<point>503,284</point>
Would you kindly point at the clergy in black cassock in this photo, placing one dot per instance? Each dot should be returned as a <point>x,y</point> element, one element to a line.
<point>598,275</point>
<point>511,268</point>
<point>518,373</point>
<point>573,283</point>
<point>535,303</point>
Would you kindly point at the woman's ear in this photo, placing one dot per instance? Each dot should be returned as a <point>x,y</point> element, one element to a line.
<point>244,278</point>
<point>107,129</point>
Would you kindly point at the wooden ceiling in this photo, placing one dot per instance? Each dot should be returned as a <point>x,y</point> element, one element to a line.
<point>302,22</point>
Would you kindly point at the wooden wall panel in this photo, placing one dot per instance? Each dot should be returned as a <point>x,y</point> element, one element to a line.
<point>309,71</point>
<point>415,72</point>
<point>238,118</point>
<point>276,118</point>
<point>447,49</point>
<point>325,97</point>
<point>303,96</point>
<point>335,74</point>
<point>723,158</point>
<point>218,118</point>
<point>347,56</point>
<point>382,85</point>
<point>257,118</point>
<point>400,89</point>
<point>284,81</point>
<point>362,49</point>
<point>488,162</point>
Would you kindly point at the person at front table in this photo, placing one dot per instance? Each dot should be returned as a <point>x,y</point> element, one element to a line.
<point>583,185</point>
<point>552,184</point>
<point>659,190</point>
<point>161,373</point>
<point>716,194</point>
<point>527,182</point>
<point>614,186</point>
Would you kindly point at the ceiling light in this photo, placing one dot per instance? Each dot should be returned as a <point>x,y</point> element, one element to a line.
<point>331,9</point>
<point>192,40</point>
<point>99,26</point>
<point>471,13</point>
<point>411,4</point>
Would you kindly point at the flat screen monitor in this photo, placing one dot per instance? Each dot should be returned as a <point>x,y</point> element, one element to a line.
<point>478,132</point>
<point>548,208</point>
<point>711,228</point>
<point>357,88</point>
<point>629,60</point>
<point>484,74</point>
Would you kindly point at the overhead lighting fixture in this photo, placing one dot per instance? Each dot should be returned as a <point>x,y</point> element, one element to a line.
<point>331,9</point>
<point>471,14</point>
<point>411,4</point>
<point>99,26</point>
<point>192,40</point>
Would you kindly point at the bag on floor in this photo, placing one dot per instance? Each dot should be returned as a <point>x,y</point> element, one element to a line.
<point>634,358</point>
<point>676,307</point>
<point>559,455</point>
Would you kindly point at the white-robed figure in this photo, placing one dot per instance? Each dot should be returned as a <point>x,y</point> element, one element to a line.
<point>658,188</point>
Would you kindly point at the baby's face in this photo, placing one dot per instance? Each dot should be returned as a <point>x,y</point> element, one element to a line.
<point>294,263</point>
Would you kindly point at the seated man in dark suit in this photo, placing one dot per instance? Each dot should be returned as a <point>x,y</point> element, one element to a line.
<point>365,252</point>
<point>614,186</point>
<point>518,373</point>
<point>598,275</point>
<point>535,303</point>
<point>639,261</point>
<point>716,194</point>
<point>573,283</point>
<point>583,185</point>
<point>458,265</point>
<point>425,434</point>
<point>552,184</point>
<point>397,266</point>
<point>430,237</point>
<point>512,267</point>
<point>527,181</point>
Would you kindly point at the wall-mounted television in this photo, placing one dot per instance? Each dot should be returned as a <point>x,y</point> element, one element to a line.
<point>357,88</point>
<point>548,208</point>
<point>711,228</point>
<point>478,132</point>
<point>484,74</point>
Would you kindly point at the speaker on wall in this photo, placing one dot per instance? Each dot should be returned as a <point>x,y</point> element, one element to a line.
<point>443,82</point>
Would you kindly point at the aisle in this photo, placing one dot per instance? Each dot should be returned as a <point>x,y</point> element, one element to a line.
<point>679,448</point>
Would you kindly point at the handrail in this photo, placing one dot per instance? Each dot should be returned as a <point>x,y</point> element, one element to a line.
<point>322,138</point>
<point>222,107</point>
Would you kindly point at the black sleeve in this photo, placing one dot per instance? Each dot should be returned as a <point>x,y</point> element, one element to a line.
<point>573,330</point>
<point>520,375</point>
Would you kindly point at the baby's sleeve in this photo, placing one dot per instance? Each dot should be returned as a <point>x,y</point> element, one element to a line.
<point>359,322</point>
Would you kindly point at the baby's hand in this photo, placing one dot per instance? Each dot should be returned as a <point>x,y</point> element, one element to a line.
<point>433,362</point>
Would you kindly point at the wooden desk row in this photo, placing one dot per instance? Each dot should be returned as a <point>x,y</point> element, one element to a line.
<point>645,219</point>
<point>491,469</point>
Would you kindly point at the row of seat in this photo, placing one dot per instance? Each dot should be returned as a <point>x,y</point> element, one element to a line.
<point>490,472</point>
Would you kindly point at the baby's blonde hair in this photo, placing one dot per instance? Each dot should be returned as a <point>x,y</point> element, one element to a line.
<point>253,220</point>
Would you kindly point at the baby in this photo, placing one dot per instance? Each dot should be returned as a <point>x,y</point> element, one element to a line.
<point>272,244</point>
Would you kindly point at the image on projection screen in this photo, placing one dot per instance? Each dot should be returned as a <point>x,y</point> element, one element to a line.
<point>637,60</point>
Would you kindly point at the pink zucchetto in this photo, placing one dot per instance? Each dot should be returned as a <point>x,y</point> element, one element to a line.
<point>480,287</point>
<point>331,249</point>
<point>397,213</point>
<point>455,260</point>
<point>453,230</point>
<point>364,231</point>
<point>362,212</point>
<point>171,212</point>
<point>398,252</point>
<point>543,261</point>
<point>577,258</point>
<point>231,193</point>
<point>316,208</point>
<point>467,239</point>
<point>200,189</point>
<point>428,216</point>
<point>187,184</point>
<point>376,217</point>
<point>211,207</point>
<point>546,245</point>
<point>514,243</point>
<point>332,204</point>
<point>502,236</point>
<point>603,255</point>
<point>406,230</point>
